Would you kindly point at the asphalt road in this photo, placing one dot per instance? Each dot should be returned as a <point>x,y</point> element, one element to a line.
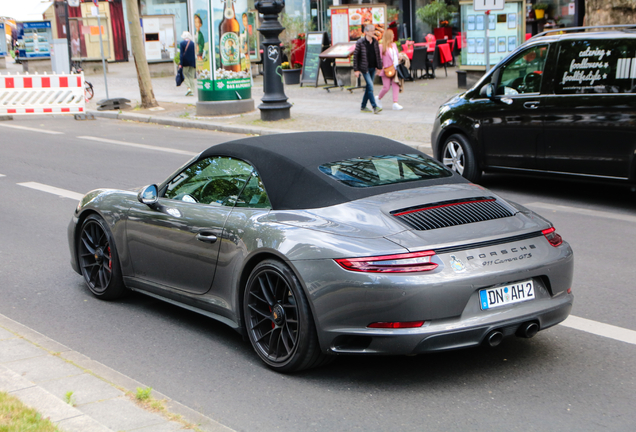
<point>563,379</point>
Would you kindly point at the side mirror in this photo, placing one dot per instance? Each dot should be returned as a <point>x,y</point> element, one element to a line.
<point>148,195</point>
<point>487,91</point>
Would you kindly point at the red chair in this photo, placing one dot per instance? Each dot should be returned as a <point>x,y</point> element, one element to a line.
<point>407,48</point>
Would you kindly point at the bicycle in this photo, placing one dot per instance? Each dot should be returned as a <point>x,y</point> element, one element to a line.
<point>89,92</point>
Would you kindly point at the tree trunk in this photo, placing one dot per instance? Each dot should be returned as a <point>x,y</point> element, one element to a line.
<point>604,12</point>
<point>137,44</point>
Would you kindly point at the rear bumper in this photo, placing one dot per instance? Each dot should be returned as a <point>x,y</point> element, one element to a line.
<point>448,334</point>
<point>345,303</point>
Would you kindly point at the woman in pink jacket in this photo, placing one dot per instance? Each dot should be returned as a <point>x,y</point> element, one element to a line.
<point>389,53</point>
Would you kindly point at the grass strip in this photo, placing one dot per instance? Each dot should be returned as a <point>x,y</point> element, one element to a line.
<point>17,417</point>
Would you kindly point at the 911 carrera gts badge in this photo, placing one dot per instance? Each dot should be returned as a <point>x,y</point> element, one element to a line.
<point>456,264</point>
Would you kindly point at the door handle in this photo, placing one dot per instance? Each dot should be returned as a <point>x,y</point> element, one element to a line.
<point>531,104</point>
<point>206,237</point>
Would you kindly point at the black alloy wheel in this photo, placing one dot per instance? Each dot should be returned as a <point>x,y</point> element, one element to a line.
<point>98,259</point>
<point>278,319</point>
<point>458,156</point>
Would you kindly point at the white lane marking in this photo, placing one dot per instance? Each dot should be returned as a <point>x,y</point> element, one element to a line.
<point>582,211</point>
<point>143,146</point>
<point>601,329</point>
<point>32,129</point>
<point>2,175</point>
<point>53,190</point>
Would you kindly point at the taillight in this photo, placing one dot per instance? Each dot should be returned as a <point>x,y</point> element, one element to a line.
<point>397,325</point>
<point>401,263</point>
<point>551,235</point>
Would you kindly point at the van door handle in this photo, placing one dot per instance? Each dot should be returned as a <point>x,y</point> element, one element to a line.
<point>206,237</point>
<point>531,104</point>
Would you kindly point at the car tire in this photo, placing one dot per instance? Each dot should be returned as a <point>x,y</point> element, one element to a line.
<point>457,155</point>
<point>98,259</point>
<point>278,319</point>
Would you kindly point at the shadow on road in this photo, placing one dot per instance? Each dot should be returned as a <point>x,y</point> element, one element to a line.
<point>447,369</point>
<point>563,191</point>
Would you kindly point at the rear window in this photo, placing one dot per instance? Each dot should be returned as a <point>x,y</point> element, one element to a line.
<point>596,66</point>
<point>384,170</point>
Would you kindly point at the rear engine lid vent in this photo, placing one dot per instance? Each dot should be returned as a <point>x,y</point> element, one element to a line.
<point>451,213</point>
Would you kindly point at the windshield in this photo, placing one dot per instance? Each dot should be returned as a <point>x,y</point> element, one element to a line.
<point>384,170</point>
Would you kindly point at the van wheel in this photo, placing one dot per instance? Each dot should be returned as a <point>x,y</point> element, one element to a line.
<point>458,156</point>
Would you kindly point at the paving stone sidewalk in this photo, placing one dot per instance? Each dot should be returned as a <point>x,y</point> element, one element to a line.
<point>40,372</point>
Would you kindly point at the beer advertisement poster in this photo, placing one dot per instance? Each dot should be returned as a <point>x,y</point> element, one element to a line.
<point>232,39</point>
<point>201,37</point>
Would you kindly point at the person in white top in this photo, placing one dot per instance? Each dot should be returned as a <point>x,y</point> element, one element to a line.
<point>389,53</point>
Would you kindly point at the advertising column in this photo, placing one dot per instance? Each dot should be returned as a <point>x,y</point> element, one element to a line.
<point>222,51</point>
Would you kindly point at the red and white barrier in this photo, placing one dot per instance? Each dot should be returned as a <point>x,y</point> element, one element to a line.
<point>42,94</point>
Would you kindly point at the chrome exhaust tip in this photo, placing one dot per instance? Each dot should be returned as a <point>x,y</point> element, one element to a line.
<point>528,330</point>
<point>494,338</point>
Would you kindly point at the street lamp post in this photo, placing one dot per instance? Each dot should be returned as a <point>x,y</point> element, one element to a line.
<point>275,105</point>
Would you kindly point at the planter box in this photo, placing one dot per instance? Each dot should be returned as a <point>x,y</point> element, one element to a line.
<point>292,76</point>
<point>441,32</point>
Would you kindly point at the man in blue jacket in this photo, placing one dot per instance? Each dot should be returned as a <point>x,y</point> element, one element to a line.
<point>366,59</point>
<point>187,61</point>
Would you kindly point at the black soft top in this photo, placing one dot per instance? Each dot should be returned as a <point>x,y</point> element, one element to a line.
<point>288,165</point>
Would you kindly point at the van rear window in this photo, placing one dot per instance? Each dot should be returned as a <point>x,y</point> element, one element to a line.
<point>596,66</point>
<point>384,170</point>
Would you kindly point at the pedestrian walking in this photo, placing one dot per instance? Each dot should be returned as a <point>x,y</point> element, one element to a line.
<point>390,62</point>
<point>366,59</point>
<point>187,61</point>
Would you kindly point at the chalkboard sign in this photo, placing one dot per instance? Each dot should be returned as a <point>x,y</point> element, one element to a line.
<point>315,44</point>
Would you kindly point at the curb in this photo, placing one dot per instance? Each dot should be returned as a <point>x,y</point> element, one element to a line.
<point>42,400</point>
<point>193,124</point>
<point>217,127</point>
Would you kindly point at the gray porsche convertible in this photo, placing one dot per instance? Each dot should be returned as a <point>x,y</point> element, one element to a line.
<point>316,244</point>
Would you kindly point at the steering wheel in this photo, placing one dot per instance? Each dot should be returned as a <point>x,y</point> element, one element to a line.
<point>218,191</point>
<point>529,82</point>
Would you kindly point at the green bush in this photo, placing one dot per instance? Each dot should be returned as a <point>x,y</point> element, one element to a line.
<point>435,12</point>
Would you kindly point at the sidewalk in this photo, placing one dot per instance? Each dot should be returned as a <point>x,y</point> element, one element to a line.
<point>40,372</point>
<point>313,108</point>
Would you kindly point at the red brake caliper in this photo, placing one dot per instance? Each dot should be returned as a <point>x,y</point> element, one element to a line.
<point>270,311</point>
<point>110,259</point>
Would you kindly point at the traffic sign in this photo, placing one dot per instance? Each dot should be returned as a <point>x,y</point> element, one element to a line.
<point>484,5</point>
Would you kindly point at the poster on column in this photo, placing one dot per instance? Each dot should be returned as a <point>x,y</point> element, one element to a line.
<point>231,49</point>
<point>201,35</point>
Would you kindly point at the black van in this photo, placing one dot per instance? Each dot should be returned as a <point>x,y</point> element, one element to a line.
<point>560,104</point>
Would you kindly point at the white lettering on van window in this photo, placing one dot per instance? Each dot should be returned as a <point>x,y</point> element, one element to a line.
<point>596,52</point>
<point>586,70</point>
<point>585,64</point>
<point>581,77</point>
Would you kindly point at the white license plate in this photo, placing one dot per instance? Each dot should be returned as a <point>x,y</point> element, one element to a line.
<point>505,295</point>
